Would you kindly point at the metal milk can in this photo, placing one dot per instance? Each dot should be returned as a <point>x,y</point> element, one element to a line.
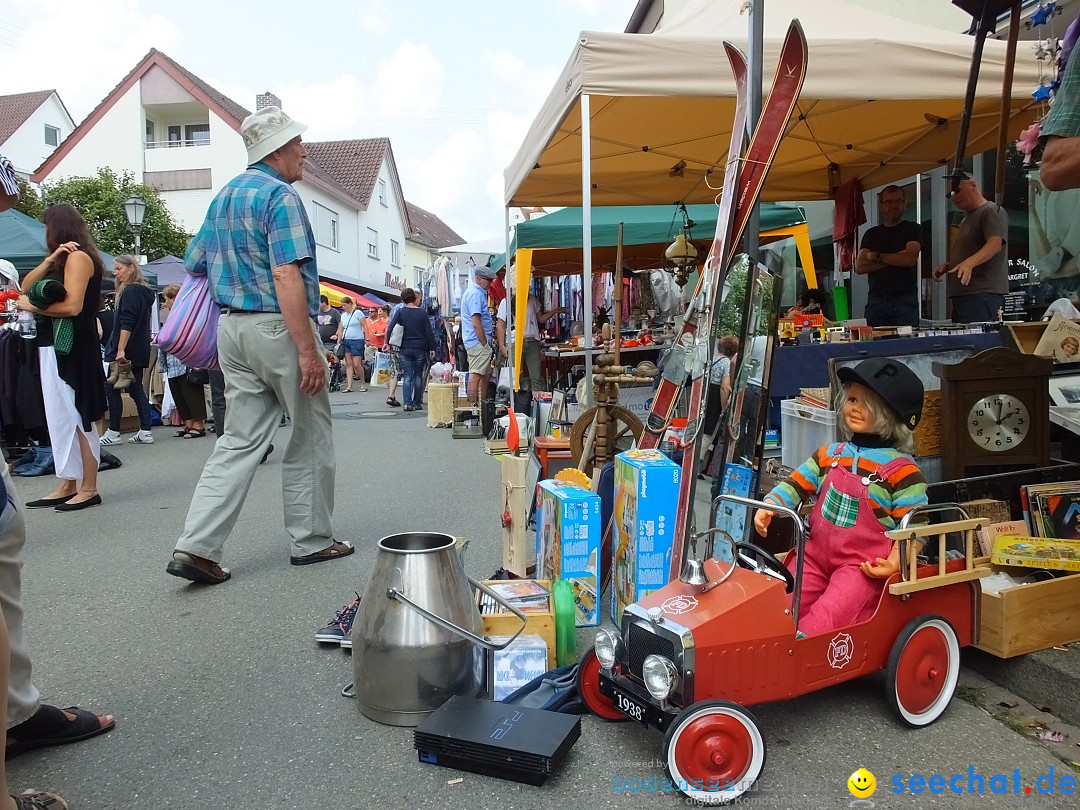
<point>418,635</point>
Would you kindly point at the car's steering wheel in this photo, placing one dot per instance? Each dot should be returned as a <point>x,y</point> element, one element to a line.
<point>755,558</point>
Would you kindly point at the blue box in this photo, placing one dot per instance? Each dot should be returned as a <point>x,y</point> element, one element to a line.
<point>646,499</point>
<point>568,544</point>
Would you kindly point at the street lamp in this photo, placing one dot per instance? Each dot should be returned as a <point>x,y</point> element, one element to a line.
<point>135,210</point>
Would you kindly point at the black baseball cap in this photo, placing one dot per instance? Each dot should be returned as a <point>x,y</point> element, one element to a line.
<point>891,380</point>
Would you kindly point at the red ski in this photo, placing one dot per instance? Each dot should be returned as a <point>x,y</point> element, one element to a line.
<point>693,351</point>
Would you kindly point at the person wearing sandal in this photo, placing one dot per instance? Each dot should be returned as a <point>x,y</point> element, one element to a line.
<point>350,334</point>
<point>30,723</point>
<point>186,385</point>
<point>417,347</point>
<point>257,249</point>
<point>72,380</point>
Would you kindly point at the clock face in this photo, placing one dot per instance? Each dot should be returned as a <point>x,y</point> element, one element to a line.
<point>998,423</point>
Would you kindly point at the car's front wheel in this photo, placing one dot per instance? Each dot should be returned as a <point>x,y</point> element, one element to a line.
<point>714,751</point>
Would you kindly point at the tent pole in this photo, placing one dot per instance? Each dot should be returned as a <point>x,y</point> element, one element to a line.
<point>755,39</point>
<point>586,244</point>
<point>1006,101</point>
<point>511,312</point>
<point>918,219</point>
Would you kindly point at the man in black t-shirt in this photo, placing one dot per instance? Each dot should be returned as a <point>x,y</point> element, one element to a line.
<point>327,319</point>
<point>889,255</point>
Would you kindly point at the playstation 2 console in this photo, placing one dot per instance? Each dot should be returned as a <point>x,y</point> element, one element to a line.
<point>496,739</point>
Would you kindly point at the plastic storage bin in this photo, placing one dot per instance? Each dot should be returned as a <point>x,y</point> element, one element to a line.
<point>803,429</point>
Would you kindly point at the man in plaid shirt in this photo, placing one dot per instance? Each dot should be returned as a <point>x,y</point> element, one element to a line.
<point>1060,131</point>
<point>257,250</point>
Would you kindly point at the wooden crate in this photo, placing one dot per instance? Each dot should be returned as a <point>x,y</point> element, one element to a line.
<point>1023,337</point>
<point>540,623</point>
<point>1029,617</point>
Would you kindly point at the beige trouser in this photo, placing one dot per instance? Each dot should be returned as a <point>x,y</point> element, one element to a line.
<point>23,699</point>
<point>262,378</point>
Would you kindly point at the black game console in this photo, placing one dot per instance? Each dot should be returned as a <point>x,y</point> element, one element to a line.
<point>496,739</point>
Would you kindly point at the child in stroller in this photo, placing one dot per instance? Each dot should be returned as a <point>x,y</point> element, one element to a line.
<point>337,372</point>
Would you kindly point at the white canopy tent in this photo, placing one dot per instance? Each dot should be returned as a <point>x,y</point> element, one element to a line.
<point>640,119</point>
<point>881,102</point>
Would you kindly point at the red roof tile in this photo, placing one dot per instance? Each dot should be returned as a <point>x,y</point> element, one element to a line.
<point>353,164</point>
<point>429,230</point>
<point>15,109</point>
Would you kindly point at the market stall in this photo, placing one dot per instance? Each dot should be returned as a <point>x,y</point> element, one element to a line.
<point>552,245</point>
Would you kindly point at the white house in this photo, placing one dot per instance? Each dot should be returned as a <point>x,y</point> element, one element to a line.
<point>178,134</point>
<point>32,125</point>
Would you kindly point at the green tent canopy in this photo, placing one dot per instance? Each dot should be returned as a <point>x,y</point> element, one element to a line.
<point>22,242</point>
<point>647,231</point>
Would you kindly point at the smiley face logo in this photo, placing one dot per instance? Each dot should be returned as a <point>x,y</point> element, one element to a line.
<point>862,784</point>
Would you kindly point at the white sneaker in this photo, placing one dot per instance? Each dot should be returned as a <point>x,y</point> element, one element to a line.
<point>110,437</point>
<point>142,437</point>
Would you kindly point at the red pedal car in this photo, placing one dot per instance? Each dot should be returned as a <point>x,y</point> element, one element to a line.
<point>690,657</point>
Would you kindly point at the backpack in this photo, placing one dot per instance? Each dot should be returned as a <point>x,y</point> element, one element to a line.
<point>554,691</point>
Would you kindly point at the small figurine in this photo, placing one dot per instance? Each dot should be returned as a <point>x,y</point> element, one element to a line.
<point>864,487</point>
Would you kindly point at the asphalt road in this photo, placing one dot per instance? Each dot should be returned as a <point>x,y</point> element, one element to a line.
<point>224,700</point>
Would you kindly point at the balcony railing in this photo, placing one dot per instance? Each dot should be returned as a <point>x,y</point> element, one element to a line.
<point>176,144</point>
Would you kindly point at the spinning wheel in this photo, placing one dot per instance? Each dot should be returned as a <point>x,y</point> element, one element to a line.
<point>618,433</point>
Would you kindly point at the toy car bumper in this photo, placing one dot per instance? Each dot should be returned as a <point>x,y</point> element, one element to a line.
<point>635,702</point>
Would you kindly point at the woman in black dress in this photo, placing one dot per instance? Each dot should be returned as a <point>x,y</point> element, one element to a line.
<point>72,379</point>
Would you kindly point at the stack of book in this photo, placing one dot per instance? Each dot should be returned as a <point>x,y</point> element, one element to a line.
<point>818,397</point>
<point>527,595</point>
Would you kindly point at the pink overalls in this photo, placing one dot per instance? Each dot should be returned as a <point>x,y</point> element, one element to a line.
<point>844,532</point>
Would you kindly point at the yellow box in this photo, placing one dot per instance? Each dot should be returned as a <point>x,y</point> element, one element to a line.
<point>540,622</point>
<point>1037,552</point>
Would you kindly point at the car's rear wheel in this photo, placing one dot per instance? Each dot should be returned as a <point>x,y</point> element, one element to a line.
<point>588,684</point>
<point>714,751</point>
<point>923,669</point>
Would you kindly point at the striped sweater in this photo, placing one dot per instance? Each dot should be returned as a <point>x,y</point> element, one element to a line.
<point>892,498</point>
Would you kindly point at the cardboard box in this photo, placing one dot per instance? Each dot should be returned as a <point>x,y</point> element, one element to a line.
<point>1030,617</point>
<point>646,495</point>
<point>1037,552</point>
<point>568,543</point>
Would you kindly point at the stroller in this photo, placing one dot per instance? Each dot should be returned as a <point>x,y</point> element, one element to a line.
<point>337,372</point>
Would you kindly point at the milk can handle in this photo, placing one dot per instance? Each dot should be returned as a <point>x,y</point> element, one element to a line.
<point>399,594</point>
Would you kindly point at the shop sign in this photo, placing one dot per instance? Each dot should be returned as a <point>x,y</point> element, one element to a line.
<point>1021,272</point>
<point>394,282</point>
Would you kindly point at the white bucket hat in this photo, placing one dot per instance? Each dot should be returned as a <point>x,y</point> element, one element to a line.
<point>267,130</point>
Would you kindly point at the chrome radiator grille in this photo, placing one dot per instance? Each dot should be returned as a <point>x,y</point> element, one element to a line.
<point>642,643</point>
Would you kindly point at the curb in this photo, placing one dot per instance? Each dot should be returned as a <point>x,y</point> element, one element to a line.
<point>1047,678</point>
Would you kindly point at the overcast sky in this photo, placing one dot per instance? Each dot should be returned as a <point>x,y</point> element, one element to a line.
<point>454,85</point>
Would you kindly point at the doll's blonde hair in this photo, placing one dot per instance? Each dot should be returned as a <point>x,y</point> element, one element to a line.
<point>885,421</point>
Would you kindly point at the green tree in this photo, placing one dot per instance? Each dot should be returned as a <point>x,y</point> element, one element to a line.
<point>29,201</point>
<point>101,199</point>
<point>729,317</point>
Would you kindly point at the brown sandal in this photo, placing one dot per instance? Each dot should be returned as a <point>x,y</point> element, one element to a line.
<point>39,800</point>
<point>332,552</point>
<point>197,569</point>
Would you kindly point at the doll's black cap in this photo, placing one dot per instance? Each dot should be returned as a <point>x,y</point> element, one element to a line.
<point>891,380</point>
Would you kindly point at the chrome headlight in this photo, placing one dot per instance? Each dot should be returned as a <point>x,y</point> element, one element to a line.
<point>607,646</point>
<point>660,676</point>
